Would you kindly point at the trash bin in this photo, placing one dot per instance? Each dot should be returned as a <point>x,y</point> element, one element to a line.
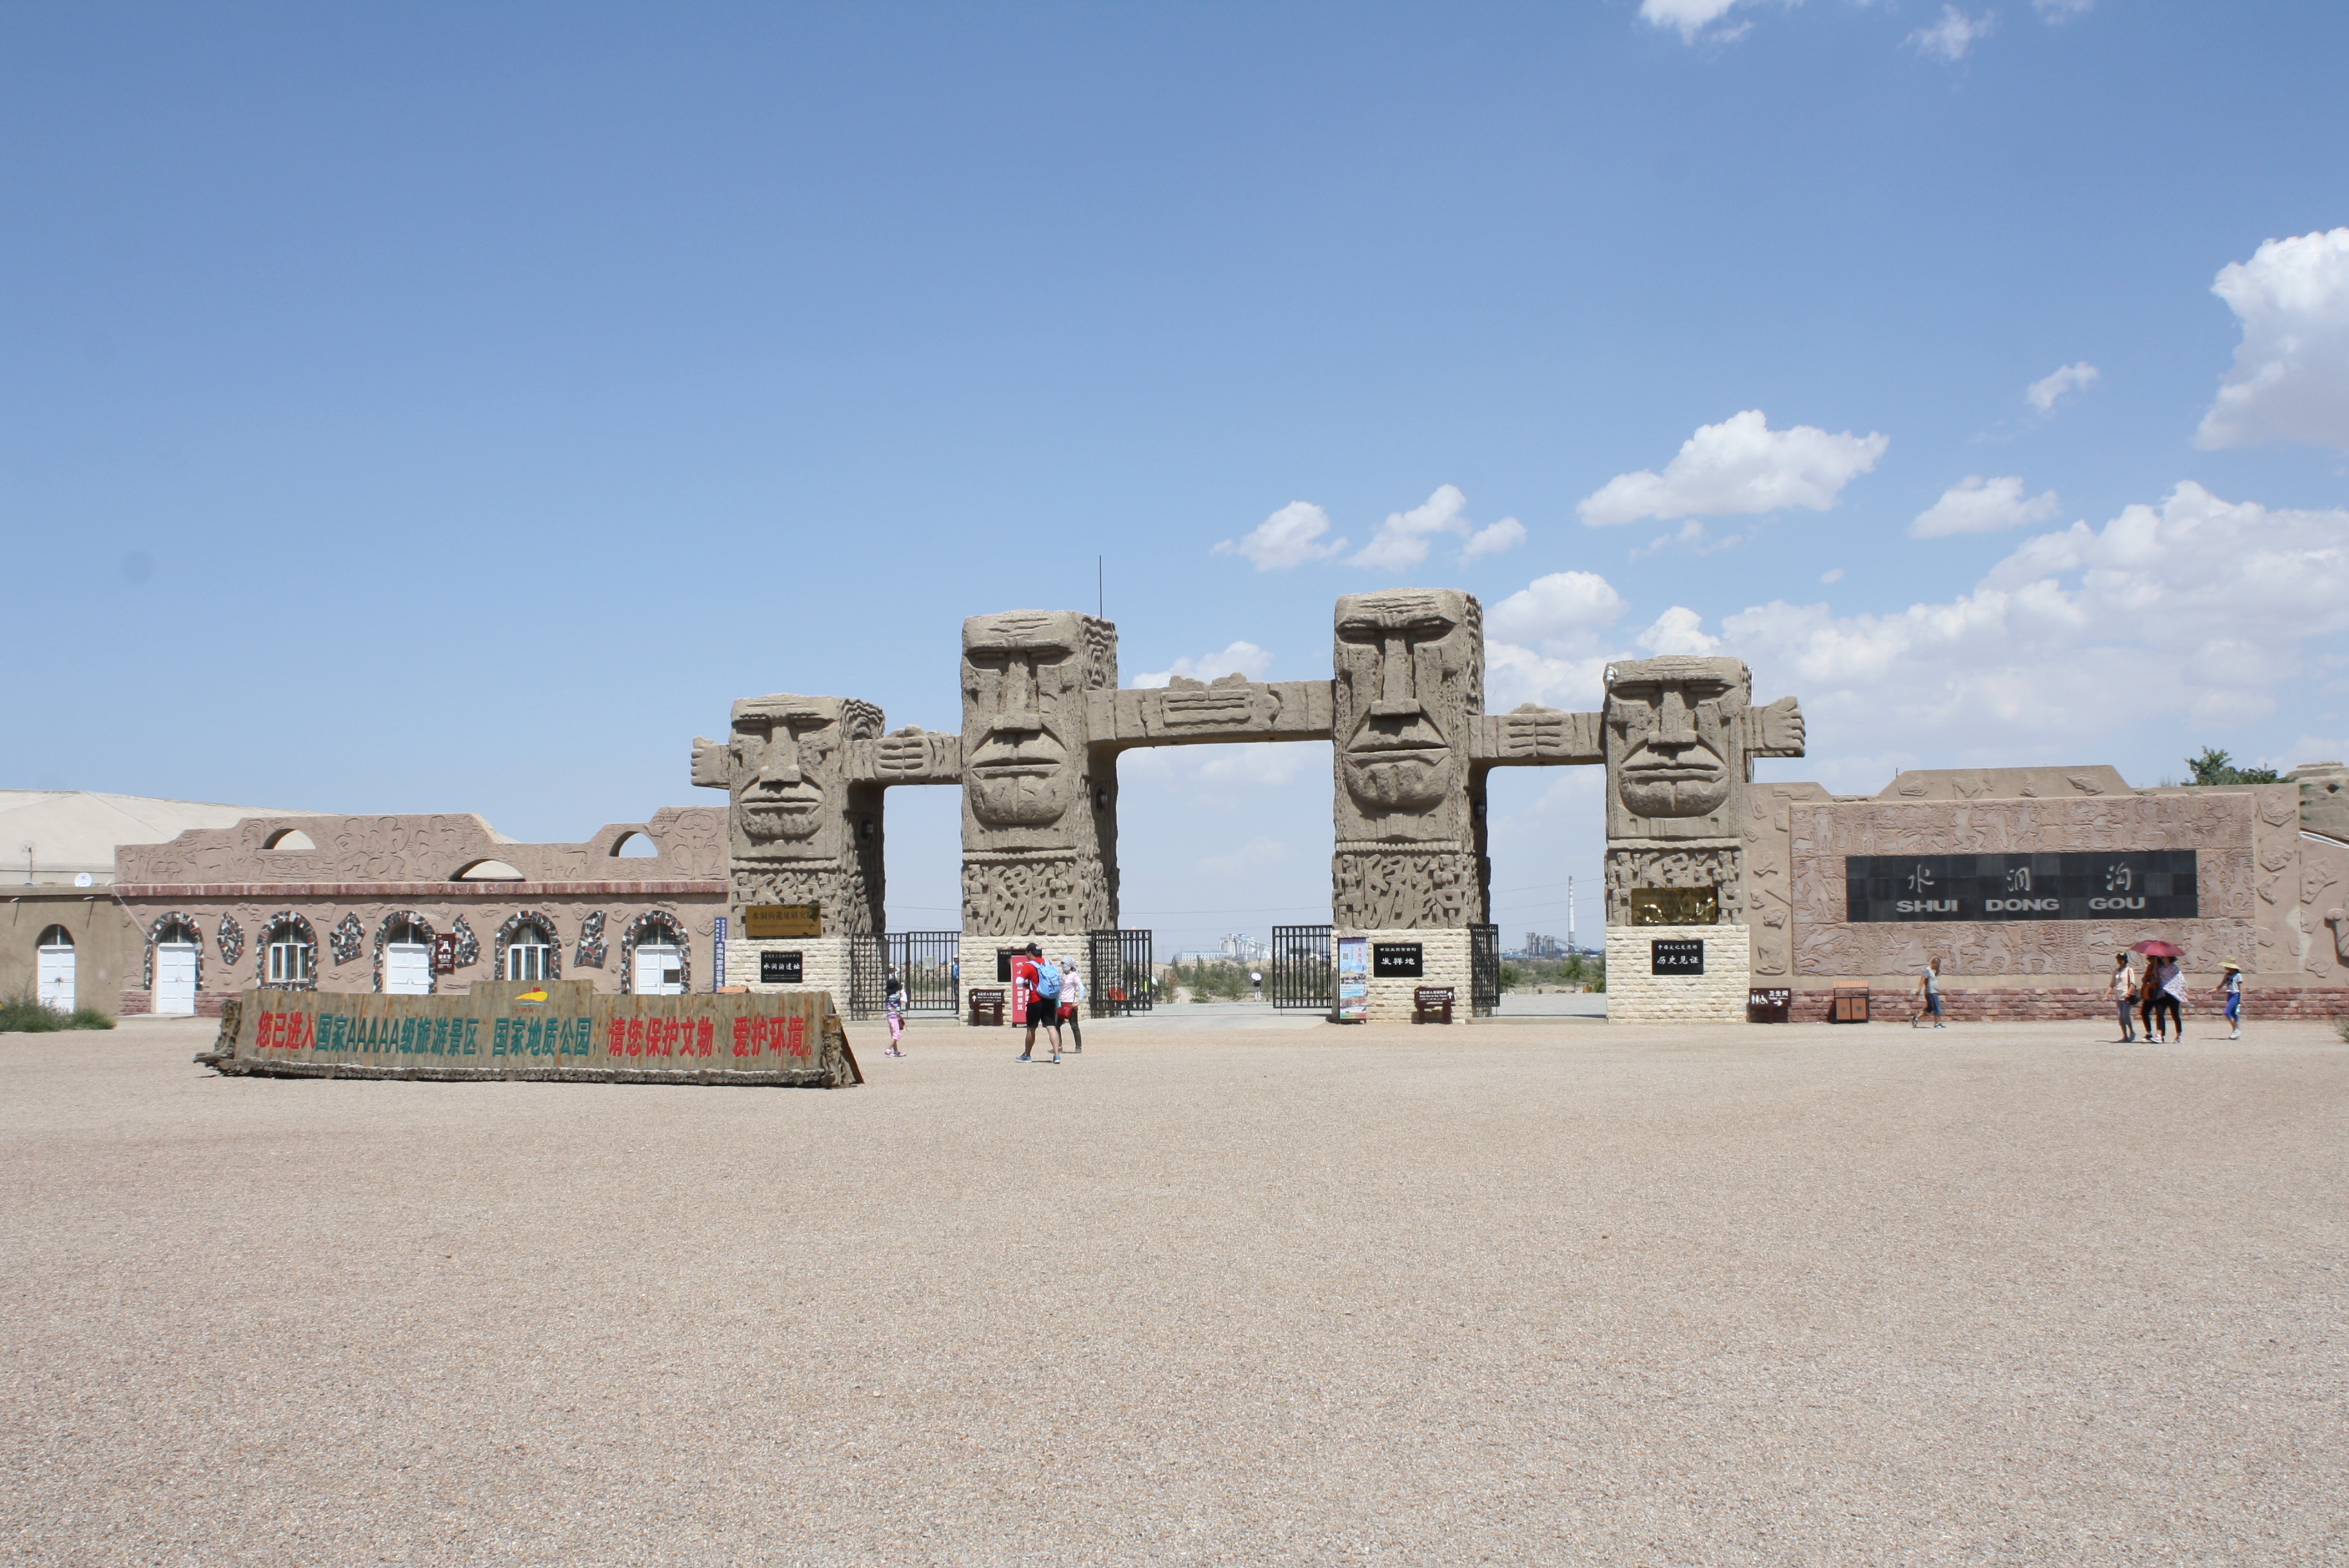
<point>1850,1005</point>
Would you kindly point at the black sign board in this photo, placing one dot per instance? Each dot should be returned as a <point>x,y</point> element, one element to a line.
<point>1769,1003</point>
<point>444,952</point>
<point>1676,956</point>
<point>2091,884</point>
<point>779,968</point>
<point>1396,959</point>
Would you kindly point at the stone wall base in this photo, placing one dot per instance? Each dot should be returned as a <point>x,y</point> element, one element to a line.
<point>2061,1003</point>
<point>1443,961</point>
<point>979,959</point>
<point>823,964</point>
<point>209,1003</point>
<point>1635,995</point>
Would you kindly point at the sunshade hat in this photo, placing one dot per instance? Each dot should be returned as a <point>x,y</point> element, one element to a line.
<point>2229,964</point>
<point>2154,947</point>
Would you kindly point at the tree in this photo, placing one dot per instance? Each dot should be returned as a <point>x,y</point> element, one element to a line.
<point>2215,766</point>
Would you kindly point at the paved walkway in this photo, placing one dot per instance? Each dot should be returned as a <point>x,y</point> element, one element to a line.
<point>1598,1294</point>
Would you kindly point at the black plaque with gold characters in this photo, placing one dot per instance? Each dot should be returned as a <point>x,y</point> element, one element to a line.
<point>766,922</point>
<point>1398,960</point>
<point>779,968</point>
<point>2096,885</point>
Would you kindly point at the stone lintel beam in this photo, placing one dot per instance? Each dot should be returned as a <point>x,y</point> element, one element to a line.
<point>1195,713</point>
<point>909,756</point>
<point>1535,737</point>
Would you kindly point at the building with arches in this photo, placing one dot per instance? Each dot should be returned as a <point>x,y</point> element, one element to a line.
<point>370,903</point>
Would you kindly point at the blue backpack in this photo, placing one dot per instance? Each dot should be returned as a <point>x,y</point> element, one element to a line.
<point>1048,978</point>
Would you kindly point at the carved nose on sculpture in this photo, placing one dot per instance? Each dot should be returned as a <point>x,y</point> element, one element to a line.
<point>1394,678</point>
<point>1673,726</point>
<point>781,765</point>
<point>1386,709</point>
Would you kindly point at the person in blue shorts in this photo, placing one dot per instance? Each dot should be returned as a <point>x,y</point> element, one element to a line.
<point>2231,986</point>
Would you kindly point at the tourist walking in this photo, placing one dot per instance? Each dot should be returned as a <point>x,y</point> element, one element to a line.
<point>895,1006</point>
<point>2125,996</point>
<point>1928,995</point>
<point>1073,1004</point>
<point>1043,981</point>
<point>2168,978</point>
<point>2231,986</point>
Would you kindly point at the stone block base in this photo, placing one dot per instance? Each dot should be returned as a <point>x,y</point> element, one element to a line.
<point>979,959</point>
<point>823,964</point>
<point>1635,995</point>
<point>1443,961</point>
<point>136,1002</point>
<point>1894,1001</point>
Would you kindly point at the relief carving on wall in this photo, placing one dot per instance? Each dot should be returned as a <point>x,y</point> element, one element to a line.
<point>1397,889</point>
<point>1720,867</point>
<point>232,939</point>
<point>1034,894</point>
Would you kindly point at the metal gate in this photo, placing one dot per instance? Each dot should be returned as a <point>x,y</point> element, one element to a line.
<point>1120,981</point>
<point>1300,971</point>
<point>868,973</point>
<point>929,962</point>
<point>1484,969</point>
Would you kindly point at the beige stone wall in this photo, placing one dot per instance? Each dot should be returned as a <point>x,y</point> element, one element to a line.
<point>1443,960</point>
<point>825,964</point>
<point>107,943</point>
<point>2224,827</point>
<point>691,842</point>
<point>485,908</point>
<point>1634,996</point>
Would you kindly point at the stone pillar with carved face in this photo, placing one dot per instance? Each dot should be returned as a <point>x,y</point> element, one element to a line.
<point>1410,678</point>
<point>800,832</point>
<point>1038,827</point>
<point>1675,735</point>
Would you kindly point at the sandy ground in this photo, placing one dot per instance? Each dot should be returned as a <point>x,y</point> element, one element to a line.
<point>2005,1293</point>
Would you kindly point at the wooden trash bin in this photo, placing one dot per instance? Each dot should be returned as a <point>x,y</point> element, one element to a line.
<point>1850,1004</point>
<point>986,1008</point>
<point>1430,1001</point>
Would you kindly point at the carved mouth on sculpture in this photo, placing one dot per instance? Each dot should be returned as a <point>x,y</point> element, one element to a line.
<point>1015,778</point>
<point>1404,770</point>
<point>786,813</point>
<point>1685,781</point>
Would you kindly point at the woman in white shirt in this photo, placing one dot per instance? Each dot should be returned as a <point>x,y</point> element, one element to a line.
<point>1072,1003</point>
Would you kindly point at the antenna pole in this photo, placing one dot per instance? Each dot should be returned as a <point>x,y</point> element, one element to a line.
<point>1101,588</point>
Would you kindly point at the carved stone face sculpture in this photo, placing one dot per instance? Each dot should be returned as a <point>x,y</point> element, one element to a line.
<point>1675,744</point>
<point>1022,716</point>
<point>1410,669</point>
<point>784,766</point>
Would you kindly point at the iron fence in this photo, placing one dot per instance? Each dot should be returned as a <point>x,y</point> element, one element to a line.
<point>929,962</point>
<point>868,970</point>
<point>1121,978</point>
<point>1484,969</point>
<point>1300,973</point>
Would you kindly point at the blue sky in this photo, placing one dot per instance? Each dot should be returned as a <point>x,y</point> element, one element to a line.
<point>455,409</point>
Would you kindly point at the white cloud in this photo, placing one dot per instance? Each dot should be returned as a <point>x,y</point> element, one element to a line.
<point>1505,534</point>
<point>2290,377</point>
<point>1401,541</point>
<point>1679,630</point>
<point>1739,466</point>
<point>1691,17</point>
<point>1955,33</point>
<point>2062,10</point>
<point>1289,537</point>
<point>1241,658</point>
<point>2049,389</point>
<point>1833,575</point>
<point>1562,612</point>
<point>2199,605</point>
<point>1977,505</point>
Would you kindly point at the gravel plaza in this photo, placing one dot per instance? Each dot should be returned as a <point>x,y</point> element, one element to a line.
<point>1552,1292</point>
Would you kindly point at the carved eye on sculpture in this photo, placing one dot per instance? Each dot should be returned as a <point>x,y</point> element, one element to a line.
<point>1358,631</point>
<point>1428,628</point>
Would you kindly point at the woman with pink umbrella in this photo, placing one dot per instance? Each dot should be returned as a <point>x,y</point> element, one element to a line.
<point>2164,988</point>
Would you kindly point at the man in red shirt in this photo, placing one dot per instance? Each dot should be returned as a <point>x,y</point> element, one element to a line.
<point>1043,1008</point>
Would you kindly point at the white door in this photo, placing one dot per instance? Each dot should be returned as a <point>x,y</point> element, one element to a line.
<point>408,969</point>
<point>175,977</point>
<point>55,965</point>
<point>660,971</point>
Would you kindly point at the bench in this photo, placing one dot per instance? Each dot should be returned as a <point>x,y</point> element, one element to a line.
<point>1428,1001</point>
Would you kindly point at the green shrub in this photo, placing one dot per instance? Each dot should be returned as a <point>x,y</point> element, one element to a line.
<point>25,1015</point>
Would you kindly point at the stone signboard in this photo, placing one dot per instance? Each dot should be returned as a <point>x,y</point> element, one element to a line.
<point>560,1029</point>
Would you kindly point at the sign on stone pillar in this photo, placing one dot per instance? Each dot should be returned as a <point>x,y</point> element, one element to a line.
<point>1679,738</point>
<point>801,829</point>
<point>1040,808</point>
